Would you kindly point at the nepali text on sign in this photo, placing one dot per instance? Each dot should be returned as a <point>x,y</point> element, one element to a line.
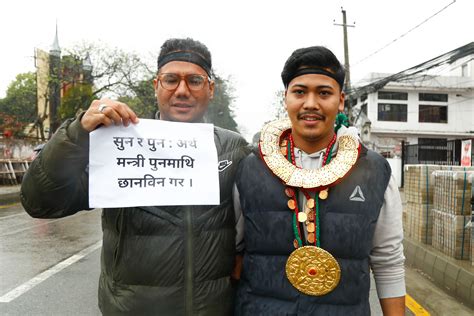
<point>153,163</point>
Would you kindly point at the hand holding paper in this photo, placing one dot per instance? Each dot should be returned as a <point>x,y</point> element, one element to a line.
<point>153,163</point>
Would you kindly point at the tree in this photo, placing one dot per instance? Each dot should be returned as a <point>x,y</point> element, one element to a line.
<point>141,98</point>
<point>90,71</point>
<point>114,70</point>
<point>127,77</point>
<point>220,111</point>
<point>18,108</point>
<point>76,98</point>
<point>115,73</point>
<point>279,110</point>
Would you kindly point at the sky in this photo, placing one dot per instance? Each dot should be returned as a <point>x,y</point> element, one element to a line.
<point>249,40</point>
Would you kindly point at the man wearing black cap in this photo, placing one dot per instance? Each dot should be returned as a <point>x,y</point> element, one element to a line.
<point>162,260</point>
<point>318,207</point>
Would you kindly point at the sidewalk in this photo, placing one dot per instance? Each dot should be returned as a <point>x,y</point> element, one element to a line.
<point>9,194</point>
<point>454,276</point>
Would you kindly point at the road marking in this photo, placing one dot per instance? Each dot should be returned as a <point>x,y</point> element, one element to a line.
<point>415,308</point>
<point>8,205</point>
<point>14,215</point>
<point>28,285</point>
<point>31,227</point>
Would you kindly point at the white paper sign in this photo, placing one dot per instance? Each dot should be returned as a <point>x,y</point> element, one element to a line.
<point>153,163</point>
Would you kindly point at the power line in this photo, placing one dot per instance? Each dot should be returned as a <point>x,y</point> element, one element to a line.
<point>413,72</point>
<point>410,30</point>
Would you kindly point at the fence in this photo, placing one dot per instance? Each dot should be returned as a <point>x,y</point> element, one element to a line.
<point>12,170</point>
<point>445,153</point>
<point>15,157</point>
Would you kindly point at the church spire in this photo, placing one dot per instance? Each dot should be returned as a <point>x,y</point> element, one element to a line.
<point>54,84</point>
<point>55,49</point>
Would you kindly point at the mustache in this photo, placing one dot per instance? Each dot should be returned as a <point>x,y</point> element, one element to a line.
<point>312,113</point>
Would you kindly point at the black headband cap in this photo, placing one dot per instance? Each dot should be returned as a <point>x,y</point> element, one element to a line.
<point>313,70</point>
<point>187,56</point>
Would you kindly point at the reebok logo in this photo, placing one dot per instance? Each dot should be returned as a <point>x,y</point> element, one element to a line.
<point>357,195</point>
<point>223,165</point>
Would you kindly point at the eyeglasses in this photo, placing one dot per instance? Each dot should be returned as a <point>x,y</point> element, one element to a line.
<point>171,81</point>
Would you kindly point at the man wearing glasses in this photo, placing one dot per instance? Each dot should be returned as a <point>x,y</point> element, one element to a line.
<point>190,249</point>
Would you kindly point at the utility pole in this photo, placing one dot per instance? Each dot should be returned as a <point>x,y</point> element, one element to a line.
<point>346,48</point>
<point>347,82</point>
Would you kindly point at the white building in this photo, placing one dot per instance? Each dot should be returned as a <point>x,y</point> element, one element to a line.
<point>427,104</point>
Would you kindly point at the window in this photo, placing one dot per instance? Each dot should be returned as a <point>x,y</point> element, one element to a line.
<point>432,114</point>
<point>436,97</point>
<point>433,141</point>
<point>392,112</point>
<point>392,95</point>
<point>464,71</point>
<point>432,149</point>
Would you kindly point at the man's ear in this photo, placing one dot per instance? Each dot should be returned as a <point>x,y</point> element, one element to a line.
<point>155,85</point>
<point>211,89</point>
<point>341,102</point>
<point>284,100</point>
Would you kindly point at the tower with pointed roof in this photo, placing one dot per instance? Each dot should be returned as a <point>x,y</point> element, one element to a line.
<point>87,69</point>
<point>54,84</point>
<point>56,76</point>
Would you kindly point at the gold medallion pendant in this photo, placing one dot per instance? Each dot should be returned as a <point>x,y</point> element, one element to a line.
<point>313,270</point>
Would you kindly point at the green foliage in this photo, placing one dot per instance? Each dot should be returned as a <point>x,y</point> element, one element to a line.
<point>220,110</point>
<point>143,103</point>
<point>71,70</point>
<point>76,99</point>
<point>18,108</point>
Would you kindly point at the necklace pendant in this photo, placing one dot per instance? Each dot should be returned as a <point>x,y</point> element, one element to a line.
<point>313,270</point>
<point>311,216</point>
<point>310,203</point>
<point>310,227</point>
<point>291,204</point>
<point>323,194</point>
<point>289,192</point>
<point>272,137</point>
<point>310,238</point>
<point>295,244</point>
<point>302,217</point>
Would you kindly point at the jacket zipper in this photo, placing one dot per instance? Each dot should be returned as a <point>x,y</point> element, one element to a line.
<point>188,263</point>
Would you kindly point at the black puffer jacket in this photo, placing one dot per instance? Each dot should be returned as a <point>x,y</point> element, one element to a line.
<point>172,260</point>
<point>346,231</point>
